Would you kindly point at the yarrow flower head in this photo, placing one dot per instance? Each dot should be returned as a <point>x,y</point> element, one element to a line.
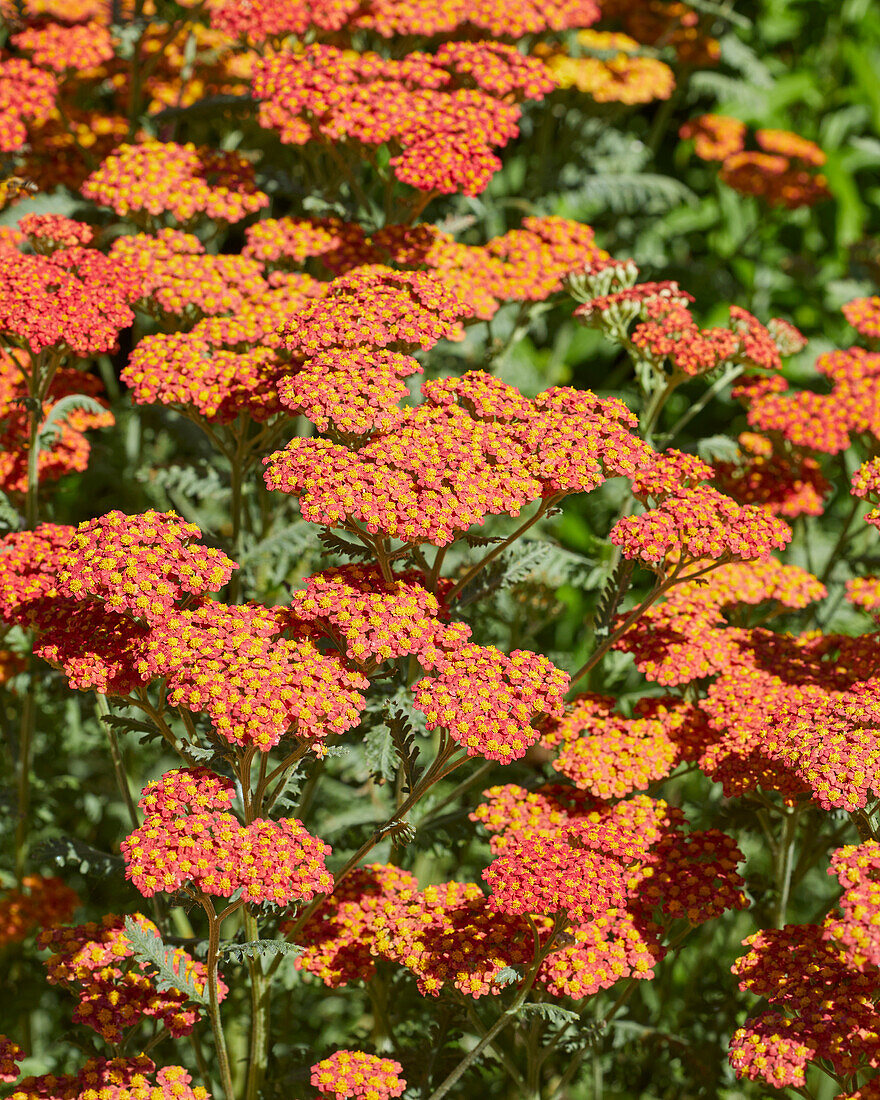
<point>38,903</point>
<point>864,316</point>
<point>699,523</point>
<point>616,73</point>
<point>233,663</point>
<point>486,699</point>
<point>27,95</point>
<point>212,853</point>
<point>75,299</point>
<point>116,1079</point>
<point>59,47</point>
<point>96,962</point>
<point>49,232</point>
<point>140,565</point>
<point>354,1074</point>
<point>11,1054</point>
<point>156,178</point>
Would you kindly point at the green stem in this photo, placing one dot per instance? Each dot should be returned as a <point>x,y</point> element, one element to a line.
<point>23,790</point>
<point>598,653</point>
<point>785,864</point>
<point>220,1048</point>
<point>730,375</point>
<point>103,709</point>
<point>505,1018</point>
<point>260,993</point>
<point>500,548</point>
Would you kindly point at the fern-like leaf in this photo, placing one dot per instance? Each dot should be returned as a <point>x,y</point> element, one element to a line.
<point>259,949</point>
<point>149,947</point>
<point>635,192</point>
<point>404,740</point>
<point>336,545</point>
<point>50,430</point>
<point>615,589</point>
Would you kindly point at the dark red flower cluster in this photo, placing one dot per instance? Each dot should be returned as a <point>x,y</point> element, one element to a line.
<point>39,903</point>
<point>783,480</point>
<point>783,172</point>
<point>96,963</point>
<point>211,852</point>
<point>135,1078</point>
<point>10,1056</point>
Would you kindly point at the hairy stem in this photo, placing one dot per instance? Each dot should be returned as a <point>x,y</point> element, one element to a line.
<point>260,993</point>
<point>220,1048</point>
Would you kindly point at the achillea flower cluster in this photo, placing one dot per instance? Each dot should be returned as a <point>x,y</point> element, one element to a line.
<point>179,279</point>
<point>354,389</point>
<point>641,860</point>
<point>29,562</point>
<point>156,178</point>
<point>699,523</point>
<point>523,264</point>
<point>184,371</point>
<point>667,332</point>
<point>376,306</point>
<point>234,664</point>
<point>796,714</point>
<point>783,172</point>
<point>259,20</point>
<point>212,853</point>
<point>39,902</point>
<point>59,47</point>
<point>422,104</point>
<point>10,1055</point>
<point>608,755</point>
<point>96,963</point>
<point>378,619</point>
<point>67,448</point>
<point>864,316</point>
<point>784,481</point>
<point>667,24</point>
<point>686,637</point>
<point>27,95</point>
<point>76,299</point>
<point>476,447</point>
<point>49,232</point>
<point>134,1078</point>
<point>671,471</point>
<point>617,73</point>
<point>352,1073</point>
<point>866,486</point>
<point>823,980</point>
<point>487,699</point>
<point>140,565</point>
<point>496,18</point>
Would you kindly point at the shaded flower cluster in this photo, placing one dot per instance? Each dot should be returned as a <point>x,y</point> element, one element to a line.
<point>135,1078</point>
<point>95,962</point>
<point>39,903</point>
<point>782,171</point>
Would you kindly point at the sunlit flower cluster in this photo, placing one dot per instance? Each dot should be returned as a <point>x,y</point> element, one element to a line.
<point>27,95</point>
<point>157,178</point>
<point>211,852</point>
<point>352,1073</point>
<point>613,70</point>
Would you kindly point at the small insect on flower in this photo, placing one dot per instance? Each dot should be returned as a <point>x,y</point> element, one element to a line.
<point>13,188</point>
